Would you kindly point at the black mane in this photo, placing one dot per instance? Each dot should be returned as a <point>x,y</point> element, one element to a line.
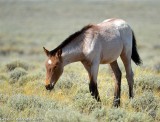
<point>70,38</point>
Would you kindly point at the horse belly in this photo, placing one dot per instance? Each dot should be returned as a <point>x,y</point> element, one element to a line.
<point>111,51</point>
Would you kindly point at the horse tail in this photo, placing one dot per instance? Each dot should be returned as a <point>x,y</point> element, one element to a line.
<point>135,56</point>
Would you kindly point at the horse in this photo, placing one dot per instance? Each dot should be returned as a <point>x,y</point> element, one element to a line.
<point>93,45</point>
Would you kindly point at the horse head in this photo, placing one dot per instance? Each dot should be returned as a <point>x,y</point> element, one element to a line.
<point>54,68</point>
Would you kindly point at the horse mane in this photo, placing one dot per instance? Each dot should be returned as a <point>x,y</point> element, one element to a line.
<point>71,38</point>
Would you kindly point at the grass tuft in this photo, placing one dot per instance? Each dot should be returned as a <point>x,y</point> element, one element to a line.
<point>85,103</point>
<point>147,102</point>
<point>148,82</point>
<point>66,115</point>
<point>115,115</point>
<point>14,64</point>
<point>37,75</point>
<point>16,74</point>
<point>99,113</point>
<point>21,102</point>
<point>65,83</point>
<point>138,117</point>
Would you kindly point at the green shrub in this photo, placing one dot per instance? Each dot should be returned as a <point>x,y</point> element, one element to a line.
<point>21,102</point>
<point>138,117</point>
<point>99,113</point>
<point>85,103</point>
<point>34,114</point>
<point>5,112</point>
<point>83,89</point>
<point>66,82</point>
<point>66,115</point>
<point>148,82</point>
<point>24,79</point>
<point>145,103</point>
<point>14,64</point>
<point>31,77</point>
<point>44,109</point>
<point>16,74</point>
<point>116,115</point>
<point>11,114</point>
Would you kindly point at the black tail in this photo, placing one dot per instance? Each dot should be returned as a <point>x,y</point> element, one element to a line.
<point>135,56</point>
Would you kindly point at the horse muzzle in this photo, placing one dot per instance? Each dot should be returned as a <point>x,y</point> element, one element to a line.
<point>49,86</point>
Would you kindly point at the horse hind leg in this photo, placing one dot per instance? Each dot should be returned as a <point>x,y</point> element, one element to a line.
<point>118,75</point>
<point>126,59</point>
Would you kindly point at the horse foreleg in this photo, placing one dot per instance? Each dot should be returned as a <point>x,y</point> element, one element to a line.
<point>92,70</point>
<point>94,90</point>
<point>118,75</point>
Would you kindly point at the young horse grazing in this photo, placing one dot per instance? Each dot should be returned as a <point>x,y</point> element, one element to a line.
<point>96,44</point>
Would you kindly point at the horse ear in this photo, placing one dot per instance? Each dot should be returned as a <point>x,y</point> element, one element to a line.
<point>46,51</point>
<point>58,53</point>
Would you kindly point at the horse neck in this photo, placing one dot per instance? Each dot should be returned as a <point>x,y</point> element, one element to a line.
<point>73,51</point>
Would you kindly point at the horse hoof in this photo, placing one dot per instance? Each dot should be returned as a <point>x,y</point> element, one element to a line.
<point>116,102</point>
<point>98,99</point>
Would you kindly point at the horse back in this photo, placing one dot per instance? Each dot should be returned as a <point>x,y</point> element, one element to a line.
<point>110,37</point>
